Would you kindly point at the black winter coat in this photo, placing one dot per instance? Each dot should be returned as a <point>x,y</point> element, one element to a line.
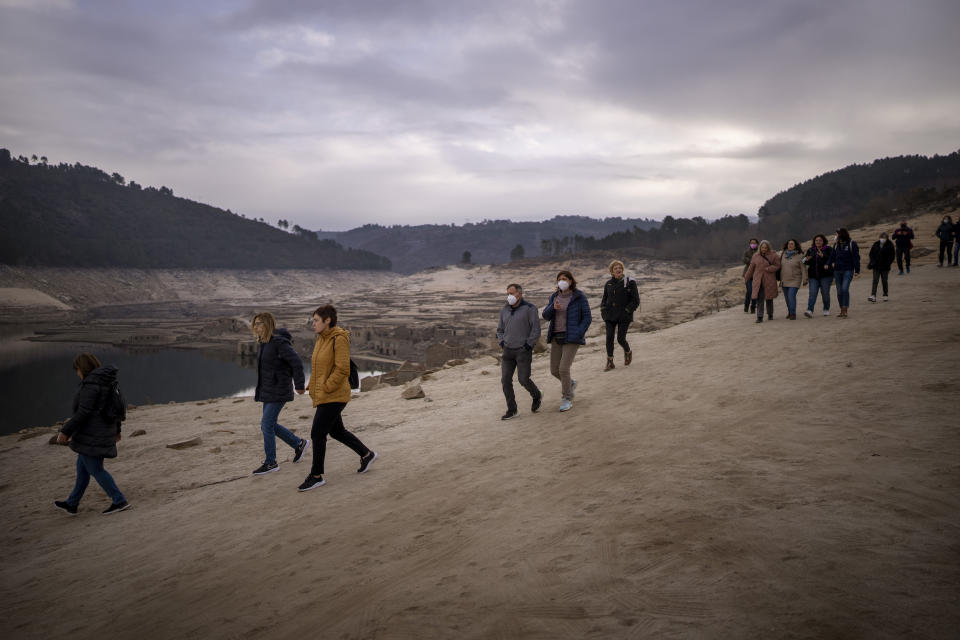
<point>279,368</point>
<point>819,267</point>
<point>90,433</point>
<point>620,300</point>
<point>944,232</point>
<point>882,257</point>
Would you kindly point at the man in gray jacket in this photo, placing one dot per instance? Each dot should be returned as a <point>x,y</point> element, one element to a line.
<point>517,334</point>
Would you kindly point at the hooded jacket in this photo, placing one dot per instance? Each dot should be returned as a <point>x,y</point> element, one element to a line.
<point>330,367</point>
<point>89,432</point>
<point>279,369</point>
<point>620,299</point>
<point>846,256</point>
<point>578,317</point>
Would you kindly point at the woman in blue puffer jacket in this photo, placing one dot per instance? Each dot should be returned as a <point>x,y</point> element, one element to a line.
<point>279,370</point>
<point>569,314</point>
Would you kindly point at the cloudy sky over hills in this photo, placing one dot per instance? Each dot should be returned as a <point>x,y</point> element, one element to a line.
<point>338,113</point>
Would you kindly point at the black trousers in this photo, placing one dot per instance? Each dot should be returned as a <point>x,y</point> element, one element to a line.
<point>879,276</point>
<point>620,328</point>
<point>327,421</point>
<point>948,246</point>
<point>519,360</point>
<point>759,302</point>
<point>903,255</point>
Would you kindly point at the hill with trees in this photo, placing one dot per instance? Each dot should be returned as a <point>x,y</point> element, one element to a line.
<point>75,215</point>
<point>412,248</point>
<point>856,195</point>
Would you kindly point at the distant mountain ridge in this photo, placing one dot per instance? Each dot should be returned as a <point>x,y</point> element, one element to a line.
<point>74,215</point>
<point>412,248</point>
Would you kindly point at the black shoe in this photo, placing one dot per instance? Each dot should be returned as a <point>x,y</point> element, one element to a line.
<point>117,506</point>
<point>759,319</point>
<point>70,509</point>
<point>266,468</point>
<point>509,415</point>
<point>746,309</point>
<point>536,403</point>
<point>299,451</point>
<point>311,483</point>
<point>366,461</point>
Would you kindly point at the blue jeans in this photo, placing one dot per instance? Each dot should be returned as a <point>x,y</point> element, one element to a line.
<point>748,301</point>
<point>843,278</point>
<point>790,295</point>
<point>93,466</point>
<point>271,431</point>
<point>823,287</point>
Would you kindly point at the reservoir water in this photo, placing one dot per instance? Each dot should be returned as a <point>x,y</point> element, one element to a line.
<point>37,383</point>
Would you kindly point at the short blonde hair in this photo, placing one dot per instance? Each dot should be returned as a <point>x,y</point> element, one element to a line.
<point>613,264</point>
<point>269,323</point>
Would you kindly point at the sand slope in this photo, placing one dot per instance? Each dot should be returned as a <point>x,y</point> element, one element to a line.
<point>790,479</point>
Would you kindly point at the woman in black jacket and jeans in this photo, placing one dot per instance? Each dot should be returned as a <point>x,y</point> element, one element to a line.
<point>620,300</point>
<point>279,370</point>
<point>92,435</point>
<point>882,255</point>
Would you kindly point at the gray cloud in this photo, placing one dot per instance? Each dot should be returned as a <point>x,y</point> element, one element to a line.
<point>338,113</point>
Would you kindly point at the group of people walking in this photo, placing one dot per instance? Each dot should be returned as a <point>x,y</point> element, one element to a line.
<point>93,435</point>
<point>568,315</point>
<point>822,265</point>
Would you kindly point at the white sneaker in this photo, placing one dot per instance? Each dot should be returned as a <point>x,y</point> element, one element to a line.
<point>886,299</point>
<point>872,298</point>
<point>808,314</point>
<point>826,312</point>
<point>566,405</point>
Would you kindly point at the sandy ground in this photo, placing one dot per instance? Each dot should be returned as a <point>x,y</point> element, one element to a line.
<point>789,479</point>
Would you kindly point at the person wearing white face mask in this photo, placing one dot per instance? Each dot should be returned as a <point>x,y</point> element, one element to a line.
<point>517,334</point>
<point>882,255</point>
<point>945,232</point>
<point>569,314</point>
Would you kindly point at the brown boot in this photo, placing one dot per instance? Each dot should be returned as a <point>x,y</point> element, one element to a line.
<point>610,365</point>
<point>627,358</point>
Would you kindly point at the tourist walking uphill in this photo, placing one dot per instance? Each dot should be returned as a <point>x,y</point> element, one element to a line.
<point>903,239</point>
<point>945,232</point>
<point>517,334</point>
<point>279,371</point>
<point>749,301</point>
<point>819,261</point>
<point>569,316</point>
<point>846,264</point>
<point>791,275</point>
<point>620,299</point>
<point>329,387</point>
<point>762,276</point>
<point>94,431</point>
<point>881,259</point>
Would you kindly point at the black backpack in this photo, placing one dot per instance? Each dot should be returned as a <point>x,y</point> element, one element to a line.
<point>354,375</point>
<point>113,409</point>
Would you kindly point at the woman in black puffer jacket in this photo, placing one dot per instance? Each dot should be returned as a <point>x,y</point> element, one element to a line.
<point>279,370</point>
<point>92,435</point>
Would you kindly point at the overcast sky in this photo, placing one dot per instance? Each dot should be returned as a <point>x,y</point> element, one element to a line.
<point>337,113</point>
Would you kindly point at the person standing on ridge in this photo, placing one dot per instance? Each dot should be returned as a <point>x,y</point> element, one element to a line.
<point>569,314</point>
<point>620,299</point>
<point>903,240</point>
<point>517,334</point>
<point>279,371</point>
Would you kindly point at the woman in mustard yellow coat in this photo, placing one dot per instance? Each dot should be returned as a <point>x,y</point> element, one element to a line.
<point>329,387</point>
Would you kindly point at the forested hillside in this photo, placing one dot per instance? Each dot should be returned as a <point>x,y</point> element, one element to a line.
<point>412,248</point>
<point>74,215</point>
